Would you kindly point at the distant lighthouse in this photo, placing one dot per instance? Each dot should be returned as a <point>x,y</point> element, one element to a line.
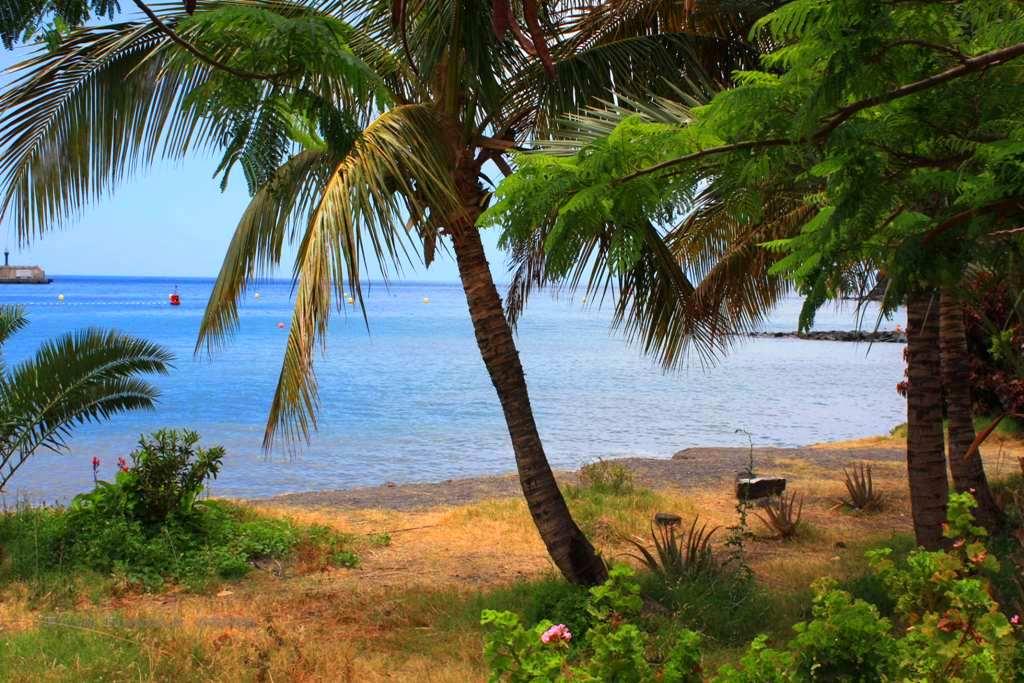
<point>29,275</point>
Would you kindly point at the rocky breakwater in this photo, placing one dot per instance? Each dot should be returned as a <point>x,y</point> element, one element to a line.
<point>884,336</point>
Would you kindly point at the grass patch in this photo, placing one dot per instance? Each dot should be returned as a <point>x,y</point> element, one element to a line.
<point>608,504</point>
<point>62,554</point>
<point>1010,427</point>
<point>68,649</point>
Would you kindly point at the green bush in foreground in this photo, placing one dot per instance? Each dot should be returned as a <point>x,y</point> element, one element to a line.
<point>946,627</point>
<point>148,527</point>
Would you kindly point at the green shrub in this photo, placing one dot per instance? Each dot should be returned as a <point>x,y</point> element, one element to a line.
<point>562,603</point>
<point>218,541</point>
<point>148,528</point>
<point>947,627</point>
<point>608,477</point>
<point>727,608</point>
<point>168,473</point>
<point>615,647</point>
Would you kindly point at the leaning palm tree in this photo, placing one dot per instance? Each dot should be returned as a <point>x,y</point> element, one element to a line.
<point>84,377</point>
<point>365,130</point>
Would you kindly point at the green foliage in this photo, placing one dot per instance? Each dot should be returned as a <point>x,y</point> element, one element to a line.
<point>619,596</point>
<point>218,541</point>
<point>148,528</point>
<point>846,639</point>
<point>915,181</point>
<point>381,539</point>
<point>727,608</point>
<point>561,603</point>
<point>607,477</point>
<point>946,627</point>
<point>516,654</point>
<point>22,21</point>
<point>612,506</point>
<point>87,376</point>
<point>677,554</point>
<point>167,474</point>
<point>612,650</point>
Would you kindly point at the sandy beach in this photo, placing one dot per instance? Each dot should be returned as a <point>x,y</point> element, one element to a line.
<point>687,469</point>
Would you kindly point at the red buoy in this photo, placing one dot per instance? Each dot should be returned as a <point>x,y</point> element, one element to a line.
<point>174,298</point>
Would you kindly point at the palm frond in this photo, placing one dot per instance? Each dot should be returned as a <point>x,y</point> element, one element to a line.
<point>12,320</point>
<point>111,100</point>
<point>278,209</point>
<point>396,169</point>
<point>83,377</point>
<point>82,118</point>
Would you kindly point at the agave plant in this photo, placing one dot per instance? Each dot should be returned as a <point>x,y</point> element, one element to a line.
<point>861,488</point>
<point>87,376</point>
<point>677,554</point>
<point>782,515</point>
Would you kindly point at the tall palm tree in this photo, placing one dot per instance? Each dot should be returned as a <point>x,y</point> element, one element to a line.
<point>365,129</point>
<point>84,377</point>
<point>727,285</point>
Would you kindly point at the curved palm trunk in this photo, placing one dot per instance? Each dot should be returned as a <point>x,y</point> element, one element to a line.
<point>968,473</point>
<point>926,458</point>
<point>566,543</point>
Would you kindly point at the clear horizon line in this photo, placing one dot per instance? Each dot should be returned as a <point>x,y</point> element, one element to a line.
<point>277,280</point>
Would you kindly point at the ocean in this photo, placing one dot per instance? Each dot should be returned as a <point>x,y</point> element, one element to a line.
<point>408,399</point>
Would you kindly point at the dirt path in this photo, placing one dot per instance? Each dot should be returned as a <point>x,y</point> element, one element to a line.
<point>687,469</point>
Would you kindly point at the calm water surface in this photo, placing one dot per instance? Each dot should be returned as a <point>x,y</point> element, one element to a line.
<point>410,399</point>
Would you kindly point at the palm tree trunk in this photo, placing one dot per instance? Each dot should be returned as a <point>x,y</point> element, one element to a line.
<point>968,473</point>
<point>572,553</point>
<point>926,458</point>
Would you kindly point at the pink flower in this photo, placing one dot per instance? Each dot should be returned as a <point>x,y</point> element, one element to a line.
<point>122,464</point>
<point>559,633</point>
<point>1015,620</point>
<point>95,462</point>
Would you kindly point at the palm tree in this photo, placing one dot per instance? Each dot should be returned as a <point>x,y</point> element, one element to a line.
<point>926,458</point>
<point>84,377</point>
<point>968,472</point>
<point>359,125</point>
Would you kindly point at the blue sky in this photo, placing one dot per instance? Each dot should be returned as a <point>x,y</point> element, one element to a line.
<point>173,220</point>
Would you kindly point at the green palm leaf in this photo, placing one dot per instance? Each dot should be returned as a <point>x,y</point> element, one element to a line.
<point>12,320</point>
<point>111,100</point>
<point>83,377</point>
<point>396,169</point>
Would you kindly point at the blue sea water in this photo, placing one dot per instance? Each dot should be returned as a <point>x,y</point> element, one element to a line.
<point>409,399</point>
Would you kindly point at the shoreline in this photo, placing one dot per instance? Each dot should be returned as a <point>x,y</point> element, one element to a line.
<point>686,469</point>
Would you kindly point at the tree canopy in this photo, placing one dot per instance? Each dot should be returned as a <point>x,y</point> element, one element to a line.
<point>877,137</point>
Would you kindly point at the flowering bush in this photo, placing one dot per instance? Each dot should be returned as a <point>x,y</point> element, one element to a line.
<point>948,627</point>
<point>613,649</point>
<point>165,478</point>
<point>145,528</point>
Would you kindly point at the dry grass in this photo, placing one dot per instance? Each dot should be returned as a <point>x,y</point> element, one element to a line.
<point>409,611</point>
